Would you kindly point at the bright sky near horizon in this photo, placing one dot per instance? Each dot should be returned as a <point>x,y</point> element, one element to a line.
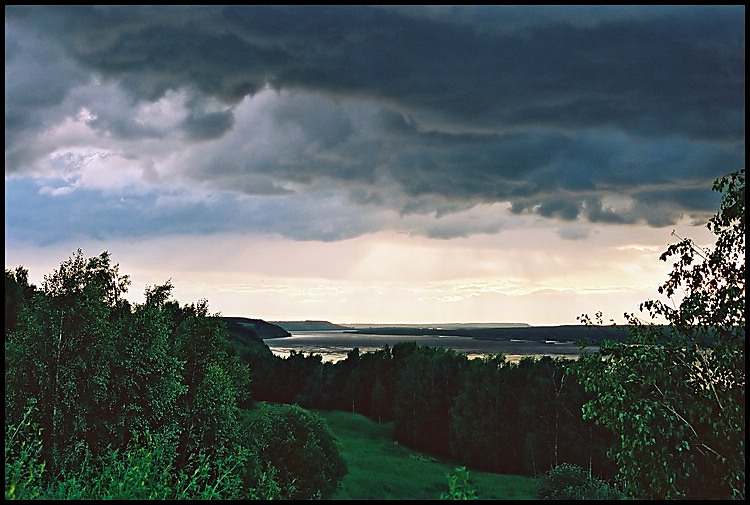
<point>372,164</point>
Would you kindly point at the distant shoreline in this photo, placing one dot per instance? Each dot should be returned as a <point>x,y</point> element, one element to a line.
<point>479,331</point>
<point>337,344</point>
<point>569,333</point>
<point>322,325</point>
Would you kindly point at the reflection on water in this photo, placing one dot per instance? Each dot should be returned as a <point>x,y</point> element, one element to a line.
<point>334,345</point>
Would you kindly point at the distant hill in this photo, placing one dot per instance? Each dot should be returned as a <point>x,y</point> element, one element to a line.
<point>310,325</point>
<point>246,335</point>
<point>441,326</point>
<point>259,328</point>
<point>572,333</point>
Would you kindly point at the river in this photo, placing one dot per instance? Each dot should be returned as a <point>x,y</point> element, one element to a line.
<point>333,345</point>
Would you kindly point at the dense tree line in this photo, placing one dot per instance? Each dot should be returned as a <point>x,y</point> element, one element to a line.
<point>488,413</point>
<point>104,398</point>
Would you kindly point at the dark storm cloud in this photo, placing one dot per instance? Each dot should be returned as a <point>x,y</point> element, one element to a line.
<point>209,125</point>
<point>681,72</point>
<point>38,75</point>
<point>564,209</point>
<point>421,110</point>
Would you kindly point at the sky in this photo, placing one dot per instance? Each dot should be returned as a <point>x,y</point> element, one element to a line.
<point>372,164</point>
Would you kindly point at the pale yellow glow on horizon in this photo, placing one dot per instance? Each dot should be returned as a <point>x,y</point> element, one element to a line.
<point>527,275</point>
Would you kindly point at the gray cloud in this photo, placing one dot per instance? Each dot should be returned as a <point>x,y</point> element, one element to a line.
<point>562,111</point>
<point>574,232</point>
<point>681,72</point>
<point>209,125</point>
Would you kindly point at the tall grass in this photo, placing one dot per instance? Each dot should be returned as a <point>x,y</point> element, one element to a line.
<point>380,469</point>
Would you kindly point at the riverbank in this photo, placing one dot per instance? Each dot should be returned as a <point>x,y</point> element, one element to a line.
<point>335,345</point>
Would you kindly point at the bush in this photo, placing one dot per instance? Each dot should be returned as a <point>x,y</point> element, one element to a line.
<point>299,448</point>
<point>571,482</point>
<point>459,486</point>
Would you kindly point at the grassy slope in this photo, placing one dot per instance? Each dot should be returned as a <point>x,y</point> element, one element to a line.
<point>380,469</point>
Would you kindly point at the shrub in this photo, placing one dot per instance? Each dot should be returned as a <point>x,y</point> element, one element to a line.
<point>571,482</point>
<point>23,464</point>
<point>145,470</point>
<point>459,487</point>
<point>298,450</point>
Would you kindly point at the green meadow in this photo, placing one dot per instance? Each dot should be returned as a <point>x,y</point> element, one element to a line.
<point>381,469</point>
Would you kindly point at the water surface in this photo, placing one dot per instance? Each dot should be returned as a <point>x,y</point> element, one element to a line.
<point>335,344</point>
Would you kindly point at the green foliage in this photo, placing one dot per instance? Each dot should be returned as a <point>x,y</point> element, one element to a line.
<point>571,482</point>
<point>23,464</point>
<point>209,367</point>
<point>61,353</point>
<point>18,292</point>
<point>674,395</point>
<point>145,470</point>
<point>215,475</point>
<point>459,486</point>
<point>267,485</point>
<point>133,401</point>
<point>140,471</point>
<point>427,386</point>
<point>301,449</point>
<point>529,413</point>
<point>485,415</point>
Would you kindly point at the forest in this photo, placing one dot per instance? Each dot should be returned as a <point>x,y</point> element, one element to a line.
<point>105,398</point>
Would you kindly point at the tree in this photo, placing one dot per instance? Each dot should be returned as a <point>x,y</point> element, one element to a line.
<point>61,352</point>
<point>104,374</point>
<point>146,382</point>
<point>216,381</point>
<point>428,383</point>
<point>674,393</point>
<point>485,415</point>
<point>378,399</point>
<point>18,293</point>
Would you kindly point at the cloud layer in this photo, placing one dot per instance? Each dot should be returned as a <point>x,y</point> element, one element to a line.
<point>324,123</point>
